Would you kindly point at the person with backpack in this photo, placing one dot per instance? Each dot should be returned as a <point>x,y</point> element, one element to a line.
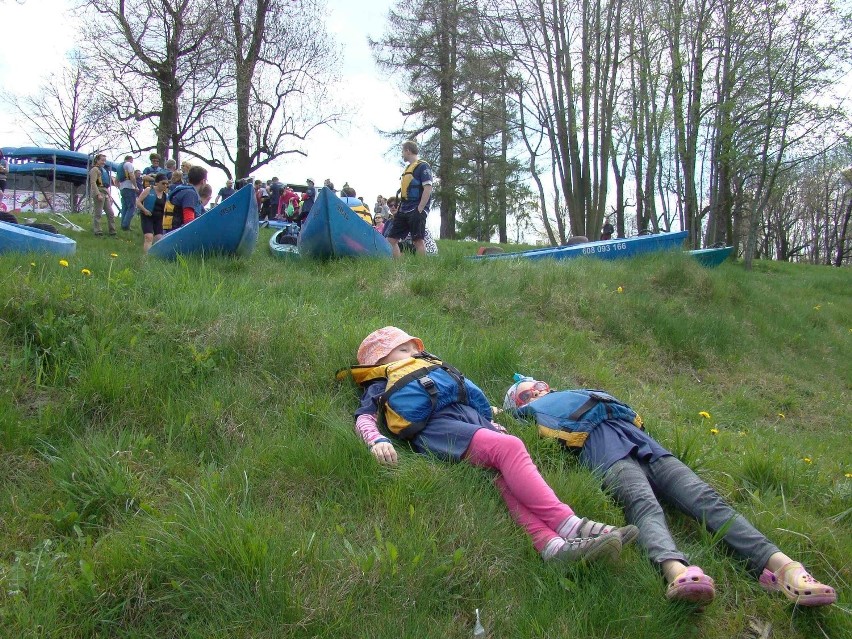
<point>127,184</point>
<point>99,183</point>
<point>611,441</point>
<point>185,198</point>
<point>413,396</point>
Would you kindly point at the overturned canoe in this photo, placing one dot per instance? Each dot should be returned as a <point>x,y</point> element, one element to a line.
<point>229,228</point>
<point>604,249</point>
<point>333,229</point>
<point>17,238</point>
<point>711,257</point>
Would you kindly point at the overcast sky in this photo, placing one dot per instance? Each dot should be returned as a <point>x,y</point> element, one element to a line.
<point>38,33</point>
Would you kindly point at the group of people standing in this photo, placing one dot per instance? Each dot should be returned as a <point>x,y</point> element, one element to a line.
<point>166,197</point>
<point>278,201</point>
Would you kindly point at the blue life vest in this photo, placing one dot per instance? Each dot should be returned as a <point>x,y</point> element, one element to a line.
<point>417,387</point>
<point>570,415</point>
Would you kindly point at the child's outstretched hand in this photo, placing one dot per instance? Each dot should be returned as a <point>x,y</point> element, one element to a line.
<point>384,452</point>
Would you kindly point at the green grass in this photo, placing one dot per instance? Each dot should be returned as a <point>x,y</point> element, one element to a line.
<point>177,461</point>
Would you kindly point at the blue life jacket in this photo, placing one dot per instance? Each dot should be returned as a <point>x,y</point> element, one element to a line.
<point>570,415</point>
<point>417,387</point>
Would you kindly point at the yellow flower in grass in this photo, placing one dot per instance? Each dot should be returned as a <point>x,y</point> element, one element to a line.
<point>113,254</point>
<point>848,475</point>
<point>704,414</point>
<point>32,263</point>
<point>714,431</point>
<point>620,290</point>
<point>85,271</point>
<point>807,460</point>
<point>63,263</point>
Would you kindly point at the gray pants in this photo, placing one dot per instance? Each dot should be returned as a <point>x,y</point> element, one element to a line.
<point>98,208</point>
<point>637,485</point>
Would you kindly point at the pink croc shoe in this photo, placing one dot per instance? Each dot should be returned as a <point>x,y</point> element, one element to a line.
<point>797,585</point>
<point>691,585</point>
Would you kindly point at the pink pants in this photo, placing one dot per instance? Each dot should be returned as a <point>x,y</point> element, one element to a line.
<point>531,502</point>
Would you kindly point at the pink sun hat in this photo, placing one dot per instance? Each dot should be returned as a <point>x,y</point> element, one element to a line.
<point>380,343</point>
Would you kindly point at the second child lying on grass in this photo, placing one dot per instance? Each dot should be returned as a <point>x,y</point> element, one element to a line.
<point>419,399</point>
<point>611,441</point>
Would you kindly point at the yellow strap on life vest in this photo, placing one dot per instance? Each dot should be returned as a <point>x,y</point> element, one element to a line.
<point>407,177</point>
<point>574,440</point>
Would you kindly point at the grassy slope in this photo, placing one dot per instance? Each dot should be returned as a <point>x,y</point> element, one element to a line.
<point>175,460</point>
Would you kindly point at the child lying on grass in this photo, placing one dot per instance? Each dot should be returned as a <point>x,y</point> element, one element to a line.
<point>418,398</point>
<point>638,471</point>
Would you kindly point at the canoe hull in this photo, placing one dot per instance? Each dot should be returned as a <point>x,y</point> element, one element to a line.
<point>712,257</point>
<point>16,238</point>
<point>229,228</point>
<point>604,250</point>
<point>332,229</point>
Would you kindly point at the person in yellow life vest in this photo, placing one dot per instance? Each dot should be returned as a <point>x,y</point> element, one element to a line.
<point>410,395</point>
<point>415,197</point>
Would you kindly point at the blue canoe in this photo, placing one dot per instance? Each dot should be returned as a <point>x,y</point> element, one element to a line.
<point>604,249</point>
<point>283,242</point>
<point>332,229</point>
<point>711,257</point>
<point>228,229</point>
<point>16,238</point>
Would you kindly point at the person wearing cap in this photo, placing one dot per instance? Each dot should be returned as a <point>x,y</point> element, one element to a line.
<point>612,442</point>
<point>462,430</point>
<point>225,192</point>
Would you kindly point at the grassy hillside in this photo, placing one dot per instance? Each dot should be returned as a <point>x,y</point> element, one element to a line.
<point>177,461</point>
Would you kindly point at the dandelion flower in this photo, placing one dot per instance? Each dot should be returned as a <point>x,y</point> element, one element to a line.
<point>63,263</point>
<point>113,254</point>
<point>620,290</point>
<point>848,475</point>
<point>85,271</point>
<point>807,460</point>
<point>704,414</point>
<point>714,431</point>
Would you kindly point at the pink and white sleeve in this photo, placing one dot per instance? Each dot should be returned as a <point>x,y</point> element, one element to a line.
<point>368,429</point>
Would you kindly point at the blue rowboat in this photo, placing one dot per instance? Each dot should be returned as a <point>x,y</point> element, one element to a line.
<point>711,257</point>
<point>228,229</point>
<point>604,249</point>
<point>332,229</point>
<point>16,238</point>
<point>283,242</point>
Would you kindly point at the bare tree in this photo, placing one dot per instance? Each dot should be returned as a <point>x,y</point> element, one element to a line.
<point>149,54</point>
<point>65,111</point>
<point>278,61</point>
